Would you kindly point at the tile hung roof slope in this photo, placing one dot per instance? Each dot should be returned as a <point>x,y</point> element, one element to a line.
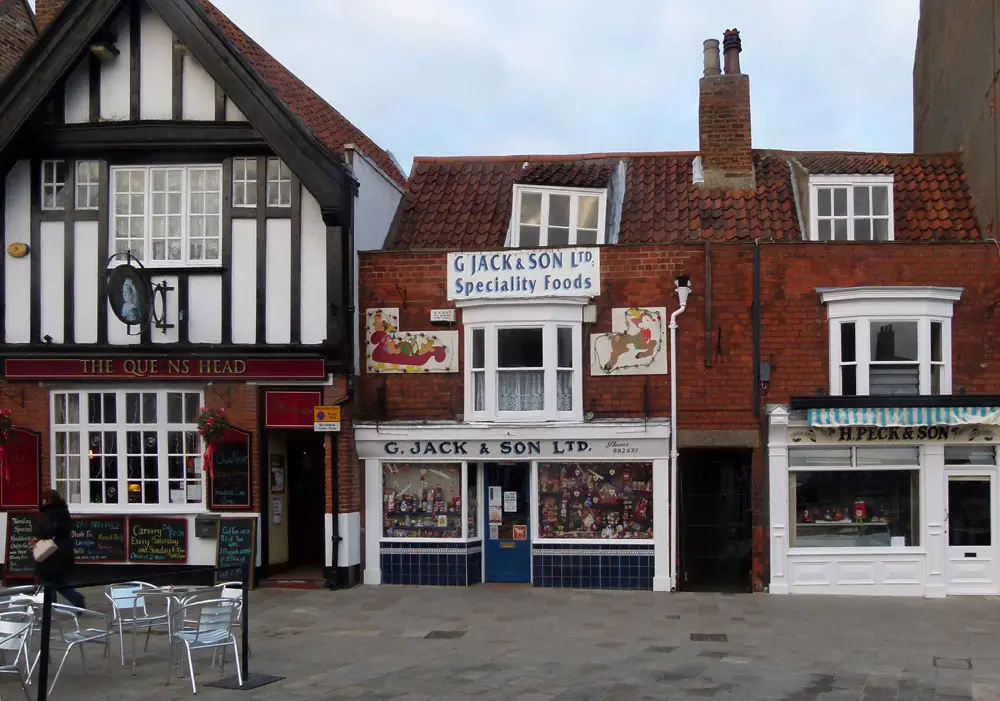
<point>466,202</point>
<point>329,125</point>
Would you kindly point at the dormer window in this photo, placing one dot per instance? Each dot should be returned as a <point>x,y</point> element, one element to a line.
<point>851,208</point>
<point>557,217</point>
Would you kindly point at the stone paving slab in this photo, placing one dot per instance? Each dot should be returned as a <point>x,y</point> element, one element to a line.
<point>519,643</point>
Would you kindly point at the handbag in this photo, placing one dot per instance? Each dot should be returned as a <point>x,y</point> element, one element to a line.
<point>43,549</point>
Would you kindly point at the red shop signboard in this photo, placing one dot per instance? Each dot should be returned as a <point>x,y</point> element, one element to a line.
<point>20,475</point>
<point>290,409</point>
<point>139,368</point>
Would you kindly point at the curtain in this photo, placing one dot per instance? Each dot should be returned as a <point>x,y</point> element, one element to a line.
<point>520,390</point>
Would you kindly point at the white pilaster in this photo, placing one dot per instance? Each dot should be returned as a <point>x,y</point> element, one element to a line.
<point>777,466</point>
<point>933,490</point>
<point>661,525</point>
<point>373,522</point>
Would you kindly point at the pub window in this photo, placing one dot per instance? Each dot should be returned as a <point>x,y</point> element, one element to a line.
<point>88,175</point>
<point>244,182</point>
<point>53,184</point>
<point>279,183</point>
<point>127,449</point>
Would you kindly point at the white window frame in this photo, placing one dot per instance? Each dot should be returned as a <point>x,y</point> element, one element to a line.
<point>867,305</point>
<point>284,177</point>
<point>52,185</point>
<point>147,216</point>
<point>549,315</point>
<point>476,467</point>
<point>818,182</point>
<point>244,179</point>
<point>89,188</point>
<point>161,427</point>
<point>514,234</point>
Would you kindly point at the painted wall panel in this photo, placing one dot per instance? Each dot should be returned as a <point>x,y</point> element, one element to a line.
<point>115,80</point>
<point>78,94</point>
<point>244,281</point>
<point>205,310</point>
<point>199,91</point>
<point>85,272</point>
<point>17,271</point>
<point>173,312</point>
<point>155,66</point>
<point>278,288</point>
<point>233,113</point>
<point>313,271</point>
<point>52,288</point>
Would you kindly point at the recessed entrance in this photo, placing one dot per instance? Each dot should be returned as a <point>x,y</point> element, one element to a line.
<point>715,531</point>
<point>507,546</point>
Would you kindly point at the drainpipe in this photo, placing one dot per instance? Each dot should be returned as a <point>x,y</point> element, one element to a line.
<point>683,288</point>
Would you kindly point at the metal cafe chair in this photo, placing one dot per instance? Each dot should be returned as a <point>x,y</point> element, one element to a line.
<point>130,612</point>
<point>69,633</point>
<point>203,625</point>
<point>234,592</point>
<point>15,632</point>
<point>30,604</point>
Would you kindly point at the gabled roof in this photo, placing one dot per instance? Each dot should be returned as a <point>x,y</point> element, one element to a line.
<point>18,32</point>
<point>465,203</point>
<point>329,125</point>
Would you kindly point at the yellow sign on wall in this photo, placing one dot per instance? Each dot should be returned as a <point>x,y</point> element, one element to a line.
<point>326,418</point>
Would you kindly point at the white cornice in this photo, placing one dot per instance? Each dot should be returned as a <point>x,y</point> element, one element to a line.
<point>876,294</point>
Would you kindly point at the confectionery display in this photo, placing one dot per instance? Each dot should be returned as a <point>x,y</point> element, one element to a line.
<point>595,500</point>
<point>422,500</point>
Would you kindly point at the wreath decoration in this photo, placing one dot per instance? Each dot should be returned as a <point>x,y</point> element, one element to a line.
<point>212,425</point>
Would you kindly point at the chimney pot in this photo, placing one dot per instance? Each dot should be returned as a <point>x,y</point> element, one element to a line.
<point>712,66</point>
<point>731,48</point>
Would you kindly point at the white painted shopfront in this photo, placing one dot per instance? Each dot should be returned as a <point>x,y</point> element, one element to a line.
<point>889,502</point>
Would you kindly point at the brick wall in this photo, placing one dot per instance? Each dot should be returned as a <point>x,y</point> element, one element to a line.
<point>794,333</point>
<point>724,130</point>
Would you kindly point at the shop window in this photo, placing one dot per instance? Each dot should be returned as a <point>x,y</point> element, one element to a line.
<point>557,217</point>
<point>846,208</point>
<point>890,341</point>
<point>422,500</point>
<point>862,497</point>
<point>127,448</point>
<point>279,183</point>
<point>605,501</point>
<point>244,182</point>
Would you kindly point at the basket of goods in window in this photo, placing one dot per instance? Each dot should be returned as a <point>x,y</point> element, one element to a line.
<point>212,425</point>
<point>6,432</point>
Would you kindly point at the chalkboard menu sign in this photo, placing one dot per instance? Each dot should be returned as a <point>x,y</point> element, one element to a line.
<point>19,561</point>
<point>99,538</point>
<point>157,540</point>
<point>231,466</point>
<point>237,538</point>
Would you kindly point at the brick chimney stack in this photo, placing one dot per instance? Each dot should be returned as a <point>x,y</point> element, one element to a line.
<point>724,117</point>
<point>46,11</point>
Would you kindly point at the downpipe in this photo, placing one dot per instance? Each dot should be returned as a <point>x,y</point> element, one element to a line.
<point>682,286</point>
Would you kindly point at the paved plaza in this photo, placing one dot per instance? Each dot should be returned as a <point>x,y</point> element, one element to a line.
<point>513,642</point>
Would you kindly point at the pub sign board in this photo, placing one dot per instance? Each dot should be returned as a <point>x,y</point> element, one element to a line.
<point>20,475</point>
<point>290,408</point>
<point>164,368</point>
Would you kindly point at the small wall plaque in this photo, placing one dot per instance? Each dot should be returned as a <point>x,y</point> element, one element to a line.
<point>18,249</point>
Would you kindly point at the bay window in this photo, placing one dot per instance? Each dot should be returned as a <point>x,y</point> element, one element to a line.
<point>119,448</point>
<point>890,341</point>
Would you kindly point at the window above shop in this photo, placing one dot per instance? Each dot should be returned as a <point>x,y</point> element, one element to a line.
<point>851,208</point>
<point>890,341</point>
<point>548,216</point>
<point>523,362</point>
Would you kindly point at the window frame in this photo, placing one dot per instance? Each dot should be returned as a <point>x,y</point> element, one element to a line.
<point>246,182</point>
<point>89,187</point>
<point>120,427</point>
<point>865,306</point>
<point>514,233</point>
<point>467,466</point>
<point>282,169</point>
<point>55,186</point>
<point>818,182</point>
<point>549,316</point>
<point>148,215</point>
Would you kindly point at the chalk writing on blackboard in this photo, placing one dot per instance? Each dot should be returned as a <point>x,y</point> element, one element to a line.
<point>20,564</point>
<point>236,548</point>
<point>157,540</point>
<point>99,539</point>
<point>231,483</point>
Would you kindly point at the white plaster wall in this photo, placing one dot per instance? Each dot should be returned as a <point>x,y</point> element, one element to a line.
<point>115,80</point>
<point>244,281</point>
<point>77,97</point>
<point>198,91</point>
<point>52,288</point>
<point>155,66</point>
<point>349,529</point>
<point>278,288</point>
<point>85,267</point>
<point>171,335</point>
<point>205,309</point>
<point>233,113</point>
<point>313,303</point>
<point>17,271</point>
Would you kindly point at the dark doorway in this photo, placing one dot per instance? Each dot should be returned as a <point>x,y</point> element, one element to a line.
<point>306,482</point>
<point>715,531</point>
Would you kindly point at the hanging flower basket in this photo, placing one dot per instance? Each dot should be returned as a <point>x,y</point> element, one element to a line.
<point>212,425</point>
<point>6,433</point>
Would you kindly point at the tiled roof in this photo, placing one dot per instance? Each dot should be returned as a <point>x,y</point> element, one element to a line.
<point>466,202</point>
<point>580,174</point>
<point>329,125</point>
<point>17,33</point>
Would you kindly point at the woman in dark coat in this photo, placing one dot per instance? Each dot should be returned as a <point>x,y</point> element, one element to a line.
<point>57,525</point>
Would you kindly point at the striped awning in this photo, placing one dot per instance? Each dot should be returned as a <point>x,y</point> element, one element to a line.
<point>906,416</point>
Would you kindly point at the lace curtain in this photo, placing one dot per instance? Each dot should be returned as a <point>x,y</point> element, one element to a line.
<point>520,390</point>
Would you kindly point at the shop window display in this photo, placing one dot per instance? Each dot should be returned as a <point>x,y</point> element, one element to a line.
<point>609,501</point>
<point>422,500</point>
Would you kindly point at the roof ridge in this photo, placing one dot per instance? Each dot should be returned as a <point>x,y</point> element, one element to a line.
<point>552,157</point>
<point>798,152</point>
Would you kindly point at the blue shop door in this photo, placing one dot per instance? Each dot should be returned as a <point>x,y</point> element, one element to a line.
<point>507,546</point>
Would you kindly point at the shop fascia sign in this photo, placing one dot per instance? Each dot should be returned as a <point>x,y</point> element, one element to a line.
<point>557,272</point>
<point>841,435</point>
<point>146,368</point>
<point>535,449</point>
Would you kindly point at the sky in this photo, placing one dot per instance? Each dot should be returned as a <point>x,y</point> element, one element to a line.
<point>477,77</point>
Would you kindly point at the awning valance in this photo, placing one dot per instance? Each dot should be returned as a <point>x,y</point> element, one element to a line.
<point>906,416</point>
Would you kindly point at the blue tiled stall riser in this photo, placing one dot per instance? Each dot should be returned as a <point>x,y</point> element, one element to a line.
<point>445,564</point>
<point>615,566</point>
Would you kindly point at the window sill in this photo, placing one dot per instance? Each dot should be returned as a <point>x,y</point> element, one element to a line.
<point>138,509</point>
<point>525,418</point>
